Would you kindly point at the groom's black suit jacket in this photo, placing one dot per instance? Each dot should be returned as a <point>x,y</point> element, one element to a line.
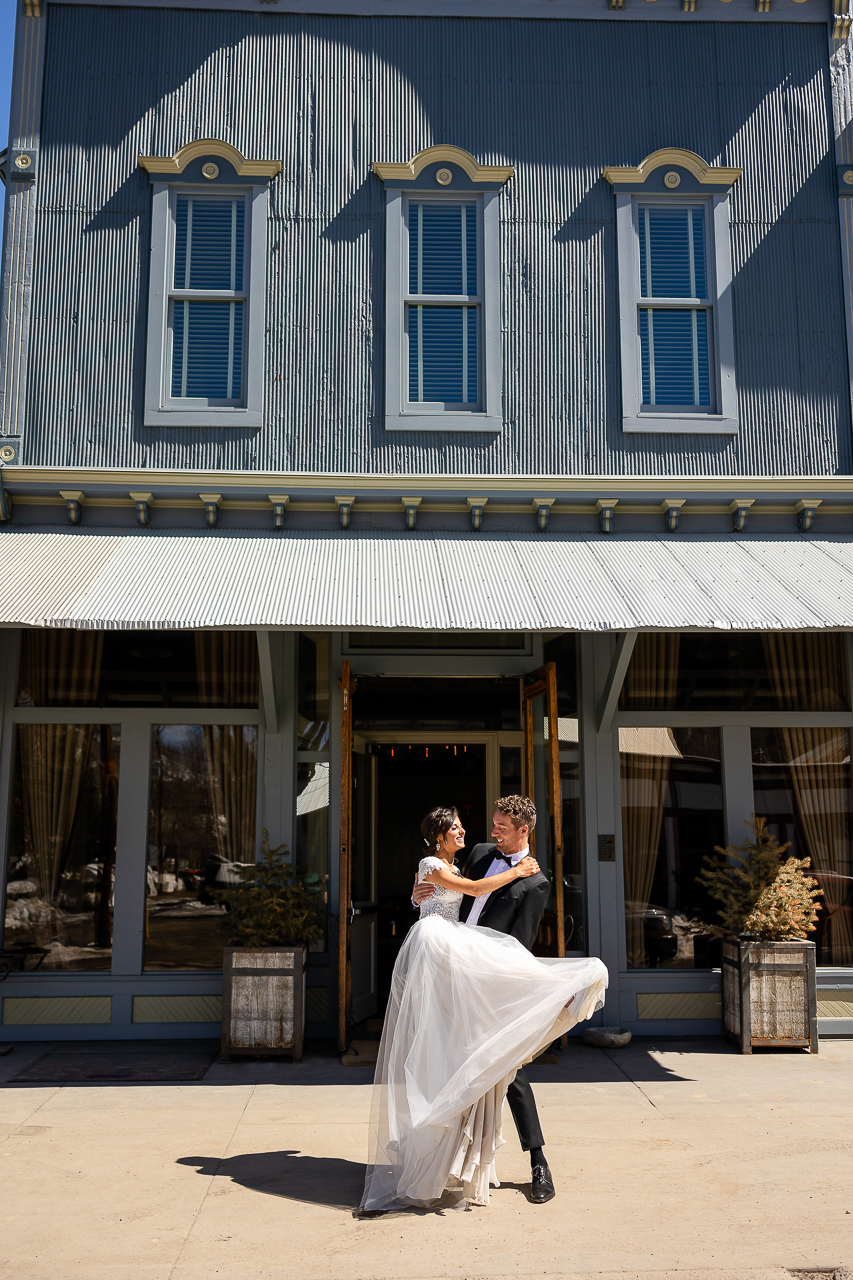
<point>515,909</point>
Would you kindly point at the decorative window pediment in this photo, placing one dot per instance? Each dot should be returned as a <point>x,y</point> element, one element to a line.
<point>677,336</point>
<point>672,169</point>
<point>444,168</point>
<point>208,160</point>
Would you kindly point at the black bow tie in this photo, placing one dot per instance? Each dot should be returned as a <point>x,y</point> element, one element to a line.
<point>505,857</point>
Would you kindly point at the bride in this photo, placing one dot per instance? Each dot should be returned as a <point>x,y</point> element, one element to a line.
<point>468,1007</point>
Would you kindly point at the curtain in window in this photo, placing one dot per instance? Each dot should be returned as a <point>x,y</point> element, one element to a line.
<point>808,673</point>
<point>652,677</point>
<point>56,667</point>
<point>651,681</point>
<point>227,664</point>
<point>60,668</point>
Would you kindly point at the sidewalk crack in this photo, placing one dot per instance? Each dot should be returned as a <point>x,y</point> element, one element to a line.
<point>201,1203</point>
<point>619,1067</point>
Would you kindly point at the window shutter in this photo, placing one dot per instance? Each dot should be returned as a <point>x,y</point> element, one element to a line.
<point>443,339</point>
<point>674,352</point>
<point>207,336</point>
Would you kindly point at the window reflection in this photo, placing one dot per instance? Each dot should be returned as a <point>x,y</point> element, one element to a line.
<point>312,824</point>
<point>313,692</point>
<point>138,669</point>
<point>802,786</point>
<point>672,815</point>
<point>774,671</point>
<point>201,827</point>
<point>62,844</point>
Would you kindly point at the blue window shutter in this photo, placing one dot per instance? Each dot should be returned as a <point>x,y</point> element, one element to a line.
<point>207,336</point>
<point>207,350</point>
<point>674,357</point>
<point>674,353</point>
<point>209,243</point>
<point>442,248</point>
<point>443,356</point>
<point>672,252</point>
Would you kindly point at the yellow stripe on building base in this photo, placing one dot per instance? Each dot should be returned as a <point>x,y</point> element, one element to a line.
<point>61,1011</point>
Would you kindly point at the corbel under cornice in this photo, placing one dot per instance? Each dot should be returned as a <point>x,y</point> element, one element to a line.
<point>704,173</point>
<point>450,155</point>
<point>211,147</point>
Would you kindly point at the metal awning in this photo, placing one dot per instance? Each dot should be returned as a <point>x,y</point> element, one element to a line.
<point>421,581</point>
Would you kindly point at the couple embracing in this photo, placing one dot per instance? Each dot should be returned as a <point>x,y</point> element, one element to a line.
<point>469,1005</point>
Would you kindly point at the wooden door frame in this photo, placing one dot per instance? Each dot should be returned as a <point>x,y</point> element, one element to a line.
<point>348,686</point>
<point>544,684</point>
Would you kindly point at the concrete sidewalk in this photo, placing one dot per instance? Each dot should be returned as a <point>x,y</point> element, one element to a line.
<point>673,1161</point>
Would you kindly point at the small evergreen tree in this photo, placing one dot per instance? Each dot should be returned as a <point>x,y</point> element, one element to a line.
<point>786,908</point>
<point>273,907</point>
<point>746,880</point>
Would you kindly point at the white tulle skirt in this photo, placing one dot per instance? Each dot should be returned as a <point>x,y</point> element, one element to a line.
<point>468,1007</point>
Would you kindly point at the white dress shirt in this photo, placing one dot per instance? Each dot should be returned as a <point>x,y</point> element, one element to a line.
<point>498,865</point>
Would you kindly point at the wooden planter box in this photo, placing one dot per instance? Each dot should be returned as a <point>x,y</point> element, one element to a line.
<point>769,994</point>
<point>263,1001</point>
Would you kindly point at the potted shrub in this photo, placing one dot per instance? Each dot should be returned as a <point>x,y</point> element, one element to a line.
<point>769,981</point>
<point>270,919</point>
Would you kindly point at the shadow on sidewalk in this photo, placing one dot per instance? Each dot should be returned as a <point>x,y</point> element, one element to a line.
<point>329,1181</point>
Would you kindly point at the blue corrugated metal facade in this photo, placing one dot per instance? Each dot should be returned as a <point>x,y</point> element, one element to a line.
<point>328,96</point>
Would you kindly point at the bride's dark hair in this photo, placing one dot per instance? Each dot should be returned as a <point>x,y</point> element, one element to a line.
<point>437,823</point>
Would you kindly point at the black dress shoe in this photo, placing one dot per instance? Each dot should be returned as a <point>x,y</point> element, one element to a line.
<point>541,1186</point>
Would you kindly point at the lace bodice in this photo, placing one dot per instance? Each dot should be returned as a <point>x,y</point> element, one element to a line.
<point>444,902</point>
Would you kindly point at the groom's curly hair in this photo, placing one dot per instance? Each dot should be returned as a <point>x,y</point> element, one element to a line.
<point>520,810</point>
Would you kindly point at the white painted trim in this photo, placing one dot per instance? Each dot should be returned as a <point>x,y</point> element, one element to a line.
<point>416,421</point>
<point>615,679</point>
<point>724,420</point>
<point>131,866</point>
<point>160,409</point>
<point>738,790</point>
<point>551,10</point>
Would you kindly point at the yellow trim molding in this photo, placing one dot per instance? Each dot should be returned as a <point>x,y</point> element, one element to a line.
<point>701,170</point>
<point>211,147</point>
<point>453,155</point>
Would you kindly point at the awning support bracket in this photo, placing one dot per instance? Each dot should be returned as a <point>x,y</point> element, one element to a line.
<point>615,680</point>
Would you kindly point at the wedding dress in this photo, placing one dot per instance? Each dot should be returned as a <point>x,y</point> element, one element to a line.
<point>467,1008</point>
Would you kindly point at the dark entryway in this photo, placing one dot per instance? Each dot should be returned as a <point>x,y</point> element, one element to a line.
<point>411,780</point>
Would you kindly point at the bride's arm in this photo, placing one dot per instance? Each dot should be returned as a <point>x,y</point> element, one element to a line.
<point>476,888</point>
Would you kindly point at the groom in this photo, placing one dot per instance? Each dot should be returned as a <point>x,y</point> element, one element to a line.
<point>516,909</point>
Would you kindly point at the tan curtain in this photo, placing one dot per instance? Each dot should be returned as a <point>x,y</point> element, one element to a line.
<point>227,665</point>
<point>644,788</point>
<point>652,677</point>
<point>808,674</point>
<point>651,682</point>
<point>227,668</point>
<point>56,667</point>
<point>60,668</point>
<point>807,670</point>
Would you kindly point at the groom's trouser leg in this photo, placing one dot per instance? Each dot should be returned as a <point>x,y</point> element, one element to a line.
<point>522,1104</point>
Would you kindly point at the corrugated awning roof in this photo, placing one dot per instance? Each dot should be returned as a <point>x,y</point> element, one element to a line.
<point>421,581</point>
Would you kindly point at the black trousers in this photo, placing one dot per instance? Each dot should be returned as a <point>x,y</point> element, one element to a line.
<point>522,1104</point>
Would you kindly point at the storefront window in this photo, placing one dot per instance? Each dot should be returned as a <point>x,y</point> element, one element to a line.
<point>312,822</point>
<point>672,815</point>
<point>313,692</point>
<point>563,652</point>
<point>62,844</point>
<point>802,786</point>
<point>201,828</point>
<point>772,671</point>
<point>138,669</point>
